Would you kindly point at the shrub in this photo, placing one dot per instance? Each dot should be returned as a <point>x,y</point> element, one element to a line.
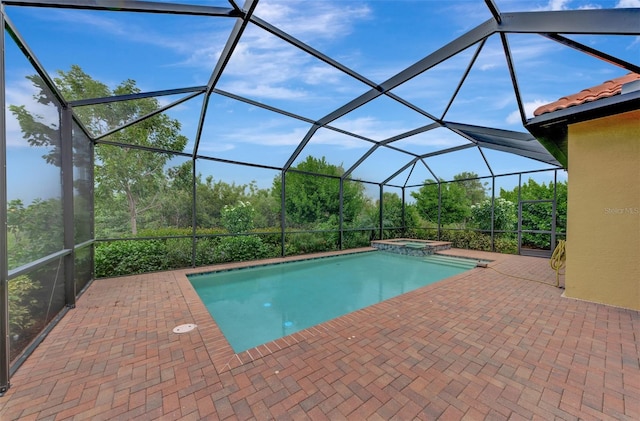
<point>24,309</point>
<point>505,215</point>
<point>270,236</point>
<point>210,251</point>
<point>21,301</point>
<point>129,257</point>
<point>311,242</point>
<point>206,251</point>
<point>178,252</point>
<point>238,218</point>
<point>506,245</point>
<point>238,249</point>
<point>353,239</point>
<point>471,240</point>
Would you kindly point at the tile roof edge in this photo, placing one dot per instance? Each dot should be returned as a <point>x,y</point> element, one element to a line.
<point>607,89</point>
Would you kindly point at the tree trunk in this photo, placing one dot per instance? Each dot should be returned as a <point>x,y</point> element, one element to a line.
<point>132,213</point>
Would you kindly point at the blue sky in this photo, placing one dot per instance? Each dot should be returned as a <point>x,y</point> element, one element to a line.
<point>375,38</point>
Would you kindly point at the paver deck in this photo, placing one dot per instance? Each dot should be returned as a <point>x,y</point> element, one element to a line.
<point>493,343</point>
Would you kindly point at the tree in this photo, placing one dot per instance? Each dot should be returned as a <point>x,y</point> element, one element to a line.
<point>455,204</point>
<point>392,212</point>
<point>266,206</point>
<point>36,230</point>
<point>212,197</point>
<point>475,190</point>
<point>313,199</point>
<point>176,209</point>
<point>134,173</point>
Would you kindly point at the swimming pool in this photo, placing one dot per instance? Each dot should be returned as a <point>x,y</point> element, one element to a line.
<point>259,304</point>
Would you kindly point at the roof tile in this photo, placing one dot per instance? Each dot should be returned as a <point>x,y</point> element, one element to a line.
<point>609,88</point>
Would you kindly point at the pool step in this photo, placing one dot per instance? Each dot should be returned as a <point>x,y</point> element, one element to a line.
<point>450,261</point>
<point>415,245</point>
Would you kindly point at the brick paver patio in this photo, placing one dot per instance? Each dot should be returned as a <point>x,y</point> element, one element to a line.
<point>494,343</point>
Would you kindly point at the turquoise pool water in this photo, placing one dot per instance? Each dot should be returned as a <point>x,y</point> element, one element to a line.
<point>256,305</point>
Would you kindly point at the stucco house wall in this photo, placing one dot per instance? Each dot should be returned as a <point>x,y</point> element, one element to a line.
<point>603,211</point>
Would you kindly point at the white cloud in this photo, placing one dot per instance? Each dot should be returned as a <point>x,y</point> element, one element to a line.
<point>319,75</point>
<point>215,147</point>
<point>132,31</point>
<point>557,4</point>
<point>333,138</point>
<point>567,5</point>
<point>514,117</point>
<point>440,137</point>
<point>529,108</point>
<point>265,133</point>
<point>263,90</point>
<point>628,3</point>
<point>533,52</point>
<point>491,56</point>
<point>307,20</point>
<point>273,133</point>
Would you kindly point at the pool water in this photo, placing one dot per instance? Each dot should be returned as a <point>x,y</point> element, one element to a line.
<point>256,305</point>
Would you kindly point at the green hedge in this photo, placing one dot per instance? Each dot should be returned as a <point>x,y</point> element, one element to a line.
<point>311,242</point>
<point>211,251</point>
<point>128,257</point>
<point>475,240</point>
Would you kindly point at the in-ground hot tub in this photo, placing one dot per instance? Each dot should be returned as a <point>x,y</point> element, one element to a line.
<point>411,246</point>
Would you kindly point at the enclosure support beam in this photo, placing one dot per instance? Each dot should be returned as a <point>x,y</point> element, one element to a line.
<point>493,198</point>
<point>194,215</point>
<point>591,21</point>
<point>146,116</point>
<point>493,213</point>
<point>364,156</point>
<point>66,166</point>
<point>341,219</point>
<point>130,6</point>
<point>554,209</point>
<point>593,52</point>
<point>301,146</point>
<point>283,220</point>
<point>439,209</point>
<point>395,174</point>
<point>402,214</point>
<point>514,79</point>
<point>519,213</point>
<point>464,77</point>
<point>493,8</point>
<point>4,264</point>
<point>22,45</point>
<point>130,97</point>
<point>381,214</point>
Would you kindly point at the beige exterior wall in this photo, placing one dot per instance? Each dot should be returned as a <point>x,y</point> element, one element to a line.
<point>603,215</point>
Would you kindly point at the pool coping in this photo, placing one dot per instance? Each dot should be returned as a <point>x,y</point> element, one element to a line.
<point>222,355</point>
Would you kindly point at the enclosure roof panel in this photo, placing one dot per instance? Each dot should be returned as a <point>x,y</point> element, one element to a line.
<point>269,82</point>
<point>518,143</point>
